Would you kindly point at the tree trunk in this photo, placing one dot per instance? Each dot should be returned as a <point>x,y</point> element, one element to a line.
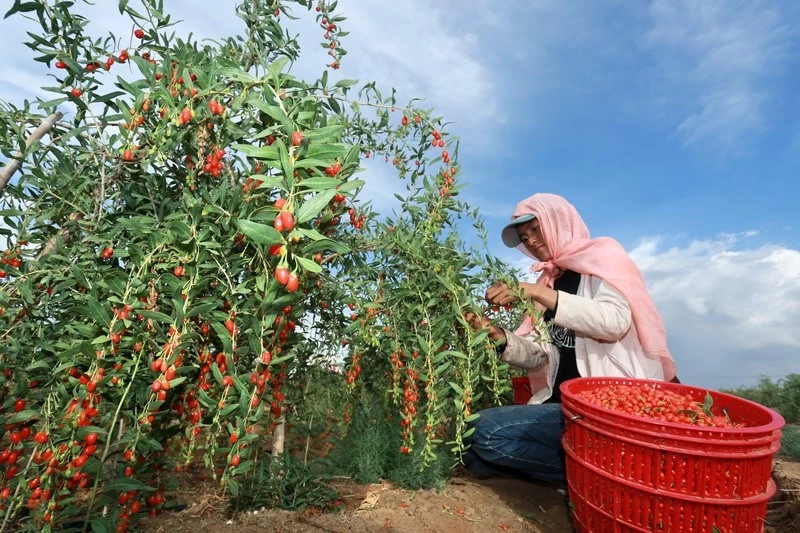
<point>279,437</point>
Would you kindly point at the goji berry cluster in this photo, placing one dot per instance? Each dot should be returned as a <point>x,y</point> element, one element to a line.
<point>656,403</point>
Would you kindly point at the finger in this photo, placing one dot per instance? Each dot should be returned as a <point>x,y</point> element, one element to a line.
<point>494,293</point>
<point>496,288</point>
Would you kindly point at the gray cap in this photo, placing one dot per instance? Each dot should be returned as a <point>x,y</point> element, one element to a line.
<point>510,233</point>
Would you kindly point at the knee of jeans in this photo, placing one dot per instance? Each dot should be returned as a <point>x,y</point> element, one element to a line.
<point>485,429</point>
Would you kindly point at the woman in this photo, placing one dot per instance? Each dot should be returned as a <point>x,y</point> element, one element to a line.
<point>602,322</point>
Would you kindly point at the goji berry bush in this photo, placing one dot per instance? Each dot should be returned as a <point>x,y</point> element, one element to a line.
<point>190,273</point>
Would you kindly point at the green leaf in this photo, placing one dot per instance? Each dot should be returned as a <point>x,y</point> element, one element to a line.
<point>233,487</point>
<point>101,524</point>
<point>308,264</point>
<point>22,416</point>
<point>269,182</point>
<point>236,74</point>
<point>325,151</point>
<point>334,106</point>
<point>125,484</point>
<point>97,311</point>
<point>20,7</point>
<point>200,309</point>
<point>277,114</point>
<point>36,365</point>
<point>205,399</point>
<point>456,388</point>
<point>228,409</point>
<point>268,153</point>
<point>323,133</point>
<point>217,374</point>
<point>281,359</point>
<point>286,163</point>
<point>325,245</point>
<point>707,403</point>
<point>350,185</point>
<point>314,206</point>
<point>260,233</point>
<point>157,316</point>
<point>320,183</point>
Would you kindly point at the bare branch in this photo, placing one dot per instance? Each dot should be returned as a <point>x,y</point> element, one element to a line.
<point>13,165</point>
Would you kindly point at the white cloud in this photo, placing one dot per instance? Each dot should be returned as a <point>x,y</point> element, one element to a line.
<point>731,313</point>
<point>716,60</point>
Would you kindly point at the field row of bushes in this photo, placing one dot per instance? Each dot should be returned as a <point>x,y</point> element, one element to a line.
<point>782,395</point>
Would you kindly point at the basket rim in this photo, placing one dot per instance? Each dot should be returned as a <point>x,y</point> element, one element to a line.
<point>776,422</point>
<point>611,429</point>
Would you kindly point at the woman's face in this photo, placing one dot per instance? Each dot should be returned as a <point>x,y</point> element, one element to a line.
<point>530,234</point>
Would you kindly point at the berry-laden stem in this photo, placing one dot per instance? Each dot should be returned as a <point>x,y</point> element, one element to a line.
<point>15,500</point>
<point>107,447</point>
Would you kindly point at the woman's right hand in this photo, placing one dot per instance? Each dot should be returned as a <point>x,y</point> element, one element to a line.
<point>478,322</point>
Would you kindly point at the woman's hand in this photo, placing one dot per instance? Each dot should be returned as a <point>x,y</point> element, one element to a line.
<point>501,294</point>
<point>478,322</point>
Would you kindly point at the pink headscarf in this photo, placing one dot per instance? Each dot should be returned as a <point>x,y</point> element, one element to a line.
<point>571,248</point>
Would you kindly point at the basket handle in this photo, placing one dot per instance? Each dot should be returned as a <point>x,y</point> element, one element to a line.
<point>570,420</point>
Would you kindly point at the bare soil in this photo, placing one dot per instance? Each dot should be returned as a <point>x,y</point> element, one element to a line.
<point>465,505</point>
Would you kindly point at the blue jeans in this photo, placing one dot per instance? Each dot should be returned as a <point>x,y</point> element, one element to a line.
<point>519,441</point>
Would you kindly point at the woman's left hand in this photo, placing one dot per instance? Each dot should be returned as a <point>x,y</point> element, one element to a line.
<point>501,294</point>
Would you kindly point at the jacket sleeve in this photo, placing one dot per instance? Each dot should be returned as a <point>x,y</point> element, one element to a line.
<point>523,352</point>
<point>604,316</point>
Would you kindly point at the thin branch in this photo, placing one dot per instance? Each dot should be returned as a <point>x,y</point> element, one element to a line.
<point>13,165</point>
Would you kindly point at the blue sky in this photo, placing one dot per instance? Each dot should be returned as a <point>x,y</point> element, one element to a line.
<point>672,125</point>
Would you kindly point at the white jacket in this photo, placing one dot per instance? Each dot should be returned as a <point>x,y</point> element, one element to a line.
<point>606,343</point>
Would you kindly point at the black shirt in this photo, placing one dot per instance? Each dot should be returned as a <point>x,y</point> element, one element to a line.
<point>563,338</point>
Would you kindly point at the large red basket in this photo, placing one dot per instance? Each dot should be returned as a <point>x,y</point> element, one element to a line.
<point>631,473</point>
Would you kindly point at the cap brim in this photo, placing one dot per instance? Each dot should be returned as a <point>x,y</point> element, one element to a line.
<point>510,233</point>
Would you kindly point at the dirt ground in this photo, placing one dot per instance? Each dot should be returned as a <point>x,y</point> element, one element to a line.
<point>465,505</point>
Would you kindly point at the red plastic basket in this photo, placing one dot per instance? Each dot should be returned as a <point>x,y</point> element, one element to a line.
<point>630,473</point>
<point>522,389</point>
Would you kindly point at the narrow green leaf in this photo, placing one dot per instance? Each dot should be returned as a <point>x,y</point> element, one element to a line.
<point>320,183</point>
<point>201,309</point>
<point>97,311</point>
<point>325,245</point>
<point>456,388</point>
<point>233,487</point>
<point>259,233</point>
<point>351,185</point>
<point>267,153</point>
<point>308,264</point>
<point>101,524</point>
<point>157,316</point>
<point>125,484</point>
<point>277,114</point>
<point>314,206</point>
<point>707,403</point>
<point>22,416</point>
<point>216,372</point>
<point>324,133</point>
